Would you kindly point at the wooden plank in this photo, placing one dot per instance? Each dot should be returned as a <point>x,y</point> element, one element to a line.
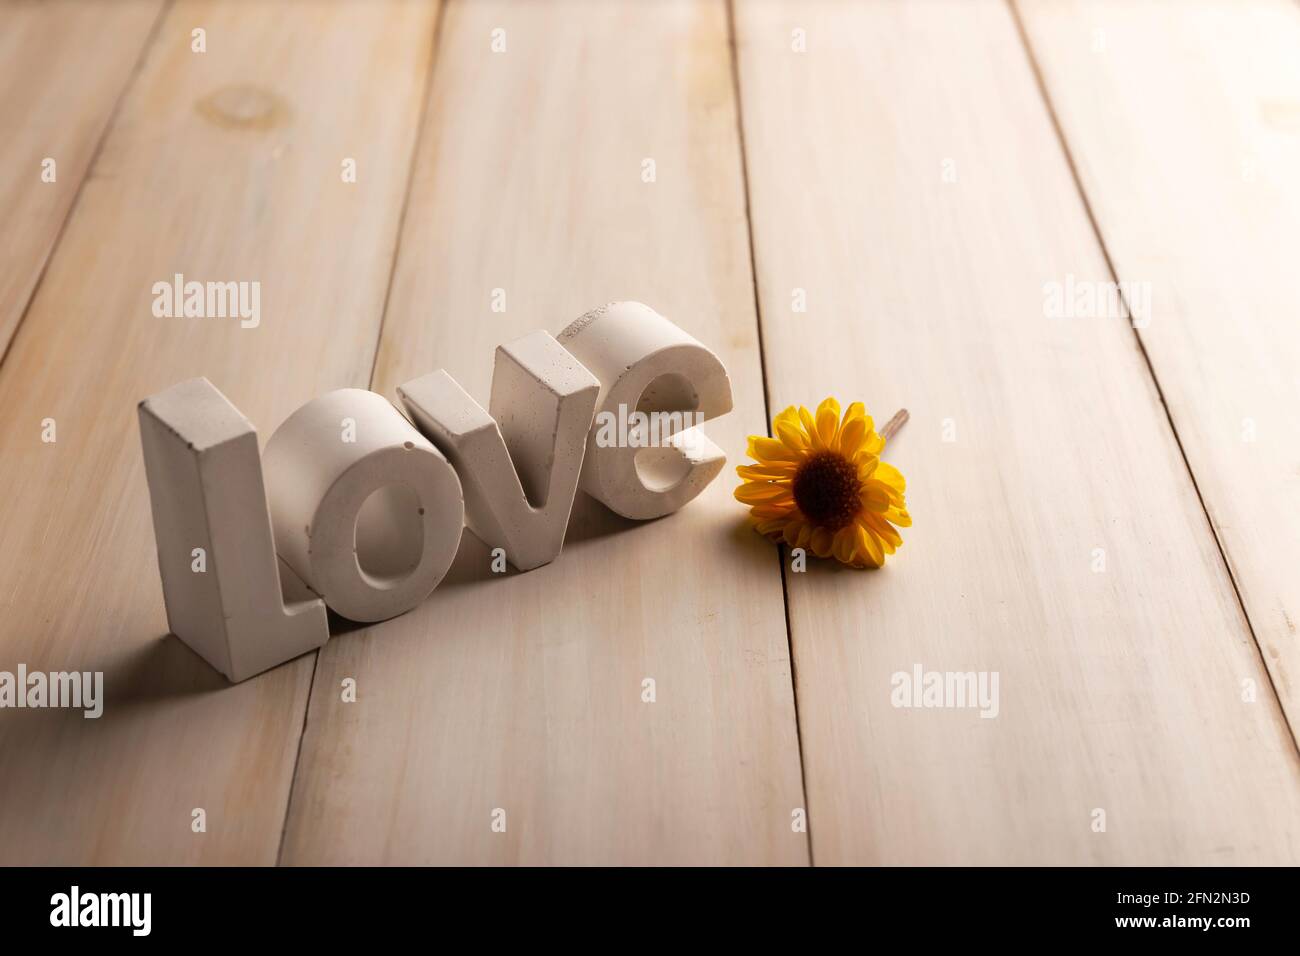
<point>524,693</point>
<point>63,67</point>
<point>1201,203</point>
<point>222,166</point>
<point>1120,690</point>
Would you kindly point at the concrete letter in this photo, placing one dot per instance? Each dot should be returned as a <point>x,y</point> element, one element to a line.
<point>519,464</point>
<point>244,612</point>
<point>371,523</point>
<point>647,364</point>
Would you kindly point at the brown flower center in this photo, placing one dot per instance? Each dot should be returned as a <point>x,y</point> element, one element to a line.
<point>827,490</point>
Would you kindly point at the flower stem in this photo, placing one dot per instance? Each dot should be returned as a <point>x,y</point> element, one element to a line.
<point>894,424</point>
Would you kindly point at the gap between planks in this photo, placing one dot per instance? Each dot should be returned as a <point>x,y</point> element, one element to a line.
<point>416,140</point>
<point>91,162</point>
<point>1058,129</point>
<point>733,44</point>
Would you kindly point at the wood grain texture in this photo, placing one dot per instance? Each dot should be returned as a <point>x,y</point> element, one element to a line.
<point>63,66</point>
<point>221,166</point>
<point>1202,202</point>
<point>1119,690</point>
<point>524,692</point>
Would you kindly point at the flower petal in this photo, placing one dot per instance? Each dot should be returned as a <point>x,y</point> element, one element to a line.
<point>821,542</point>
<point>762,492</point>
<point>782,471</point>
<point>875,495</point>
<point>869,547</point>
<point>899,516</point>
<point>828,422</point>
<point>790,414</point>
<point>772,509</point>
<point>850,438</point>
<point>810,427</point>
<point>888,535</point>
<point>791,436</point>
<point>764,450</point>
<point>828,410</point>
<point>874,487</point>
<point>891,476</point>
<point>844,544</point>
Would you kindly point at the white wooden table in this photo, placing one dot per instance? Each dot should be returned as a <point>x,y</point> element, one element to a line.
<point>1107,517</point>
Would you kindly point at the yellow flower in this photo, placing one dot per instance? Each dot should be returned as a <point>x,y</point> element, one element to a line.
<point>820,485</point>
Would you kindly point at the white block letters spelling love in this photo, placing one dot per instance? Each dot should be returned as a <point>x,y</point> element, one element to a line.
<point>362,509</point>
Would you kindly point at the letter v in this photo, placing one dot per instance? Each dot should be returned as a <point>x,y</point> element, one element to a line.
<point>520,464</point>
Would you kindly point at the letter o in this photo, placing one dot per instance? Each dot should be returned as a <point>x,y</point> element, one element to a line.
<point>371,523</point>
